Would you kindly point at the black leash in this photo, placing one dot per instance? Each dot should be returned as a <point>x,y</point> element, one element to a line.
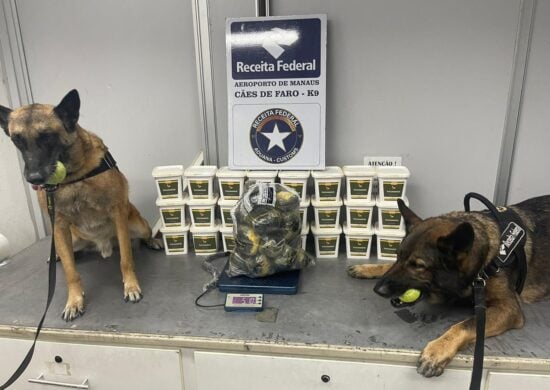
<point>50,190</point>
<point>510,251</point>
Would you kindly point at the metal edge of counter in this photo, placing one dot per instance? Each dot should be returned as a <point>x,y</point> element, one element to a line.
<point>321,351</point>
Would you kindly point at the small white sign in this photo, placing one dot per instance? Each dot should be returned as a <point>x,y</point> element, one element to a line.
<point>382,161</point>
<point>276,92</point>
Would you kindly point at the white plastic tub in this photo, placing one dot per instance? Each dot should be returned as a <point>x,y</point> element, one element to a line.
<point>200,180</point>
<point>327,242</point>
<point>231,183</point>
<point>358,243</point>
<point>392,182</point>
<point>169,181</point>
<point>175,240</point>
<point>262,176</point>
<point>389,216</point>
<point>327,213</point>
<point>228,239</point>
<point>297,180</point>
<point>359,213</point>
<point>205,239</point>
<point>226,206</point>
<point>172,212</point>
<point>303,234</point>
<point>359,180</point>
<point>328,183</point>
<point>202,211</point>
<point>304,207</point>
<point>387,243</point>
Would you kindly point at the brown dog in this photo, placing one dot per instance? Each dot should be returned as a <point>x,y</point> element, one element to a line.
<point>441,256</point>
<point>90,213</point>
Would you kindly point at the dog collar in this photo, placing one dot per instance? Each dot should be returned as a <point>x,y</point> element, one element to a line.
<point>107,162</point>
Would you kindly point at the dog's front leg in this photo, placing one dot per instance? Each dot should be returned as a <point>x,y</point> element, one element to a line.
<point>502,314</point>
<point>132,291</point>
<point>368,271</point>
<point>75,295</point>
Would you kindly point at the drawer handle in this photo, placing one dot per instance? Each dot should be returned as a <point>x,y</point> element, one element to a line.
<point>42,381</point>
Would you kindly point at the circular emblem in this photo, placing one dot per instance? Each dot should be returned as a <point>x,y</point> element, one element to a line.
<point>276,135</point>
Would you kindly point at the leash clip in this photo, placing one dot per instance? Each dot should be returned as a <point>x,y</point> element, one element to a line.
<point>480,281</point>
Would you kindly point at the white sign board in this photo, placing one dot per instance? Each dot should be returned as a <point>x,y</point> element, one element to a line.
<point>276,92</point>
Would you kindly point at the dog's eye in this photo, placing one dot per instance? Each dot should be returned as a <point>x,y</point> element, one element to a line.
<point>419,264</point>
<point>18,141</point>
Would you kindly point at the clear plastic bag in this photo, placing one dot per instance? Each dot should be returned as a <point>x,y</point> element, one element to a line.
<point>267,227</point>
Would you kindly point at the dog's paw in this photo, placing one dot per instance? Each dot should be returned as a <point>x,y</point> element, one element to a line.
<point>74,308</point>
<point>367,271</point>
<point>154,243</point>
<point>433,359</point>
<point>132,292</point>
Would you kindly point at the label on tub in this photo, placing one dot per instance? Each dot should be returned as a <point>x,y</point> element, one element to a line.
<point>327,245</point>
<point>202,216</point>
<point>176,243</point>
<point>227,217</point>
<point>391,219</point>
<point>229,242</point>
<point>206,243</point>
<point>171,217</point>
<point>231,189</point>
<point>389,247</point>
<point>358,246</point>
<point>328,190</point>
<point>168,188</point>
<point>298,187</point>
<point>199,188</point>
<point>393,190</point>
<point>359,189</point>
<point>359,218</point>
<point>327,218</point>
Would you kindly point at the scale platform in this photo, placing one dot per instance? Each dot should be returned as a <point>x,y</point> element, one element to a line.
<point>285,283</point>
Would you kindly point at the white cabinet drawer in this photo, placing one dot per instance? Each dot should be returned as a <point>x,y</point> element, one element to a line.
<point>515,381</point>
<point>242,372</point>
<point>104,367</point>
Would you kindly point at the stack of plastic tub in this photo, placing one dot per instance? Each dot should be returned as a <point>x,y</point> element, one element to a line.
<point>231,185</point>
<point>390,228</point>
<point>202,208</point>
<point>359,210</point>
<point>326,207</point>
<point>171,202</point>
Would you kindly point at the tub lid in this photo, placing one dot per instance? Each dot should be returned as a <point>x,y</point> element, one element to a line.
<point>400,233</point>
<point>206,229</point>
<point>172,202</point>
<point>172,230</point>
<point>328,173</point>
<point>326,203</point>
<point>325,231</point>
<point>359,202</point>
<point>399,172</point>
<point>226,229</point>
<point>226,172</point>
<point>203,202</point>
<point>306,202</point>
<point>201,171</point>
<point>357,231</point>
<point>305,229</point>
<point>390,204</point>
<point>227,202</point>
<point>167,171</point>
<point>294,174</point>
<point>359,171</point>
<point>261,174</point>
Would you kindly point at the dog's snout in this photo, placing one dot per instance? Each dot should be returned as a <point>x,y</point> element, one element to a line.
<point>35,178</point>
<point>383,289</point>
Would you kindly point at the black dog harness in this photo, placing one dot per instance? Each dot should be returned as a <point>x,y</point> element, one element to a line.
<point>107,162</point>
<point>511,253</point>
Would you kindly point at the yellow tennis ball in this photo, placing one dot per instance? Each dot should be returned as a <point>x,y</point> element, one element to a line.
<point>411,295</point>
<point>59,174</point>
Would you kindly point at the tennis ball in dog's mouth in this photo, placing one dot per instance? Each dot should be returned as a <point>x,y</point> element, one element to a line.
<point>410,296</point>
<point>59,174</point>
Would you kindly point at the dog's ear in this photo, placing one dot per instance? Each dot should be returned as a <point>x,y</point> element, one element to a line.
<point>410,218</point>
<point>459,240</point>
<point>4,117</point>
<point>68,110</point>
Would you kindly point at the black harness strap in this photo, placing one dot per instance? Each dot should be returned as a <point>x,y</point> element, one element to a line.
<point>506,219</point>
<point>107,162</point>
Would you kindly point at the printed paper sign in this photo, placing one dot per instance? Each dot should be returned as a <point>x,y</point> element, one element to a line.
<point>276,92</point>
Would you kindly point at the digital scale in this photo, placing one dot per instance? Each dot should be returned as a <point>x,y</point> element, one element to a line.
<point>285,283</point>
<point>244,302</point>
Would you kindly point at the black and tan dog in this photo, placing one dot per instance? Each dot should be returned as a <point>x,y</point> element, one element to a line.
<point>441,256</point>
<point>91,213</point>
